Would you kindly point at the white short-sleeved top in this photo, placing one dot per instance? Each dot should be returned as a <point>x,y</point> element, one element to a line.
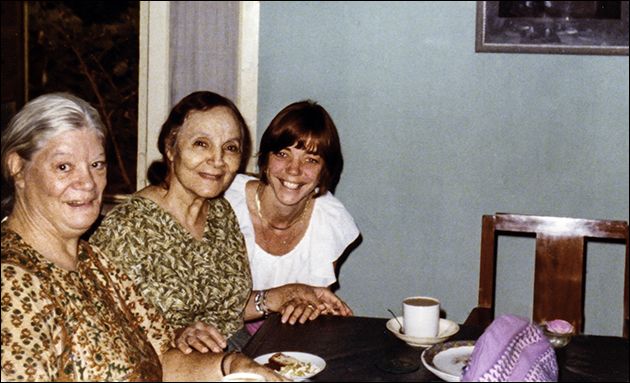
<point>330,231</point>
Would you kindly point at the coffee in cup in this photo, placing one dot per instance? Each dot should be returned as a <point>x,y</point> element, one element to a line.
<point>421,316</point>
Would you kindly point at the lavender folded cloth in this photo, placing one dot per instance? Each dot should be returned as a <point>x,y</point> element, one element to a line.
<point>512,349</point>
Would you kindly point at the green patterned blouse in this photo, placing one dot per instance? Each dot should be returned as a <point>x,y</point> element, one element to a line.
<point>187,279</point>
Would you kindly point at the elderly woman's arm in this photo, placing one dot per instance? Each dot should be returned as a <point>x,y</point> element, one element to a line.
<point>208,367</point>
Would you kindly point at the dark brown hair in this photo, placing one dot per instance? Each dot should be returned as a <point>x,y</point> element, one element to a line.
<point>196,101</point>
<point>307,125</point>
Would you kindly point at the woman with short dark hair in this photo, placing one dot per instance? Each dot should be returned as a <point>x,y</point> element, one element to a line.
<point>294,228</point>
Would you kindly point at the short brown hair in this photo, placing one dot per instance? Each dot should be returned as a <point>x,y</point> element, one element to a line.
<point>310,127</point>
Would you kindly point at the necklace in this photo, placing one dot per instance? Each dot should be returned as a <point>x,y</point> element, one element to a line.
<point>262,219</point>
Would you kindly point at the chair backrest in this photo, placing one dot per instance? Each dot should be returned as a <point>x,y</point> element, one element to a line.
<point>559,270</point>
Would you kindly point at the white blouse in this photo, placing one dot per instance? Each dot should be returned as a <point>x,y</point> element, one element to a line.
<point>330,231</point>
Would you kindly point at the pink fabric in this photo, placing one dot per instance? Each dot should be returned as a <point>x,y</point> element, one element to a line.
<point>252,327</point>
<point>512,349</point>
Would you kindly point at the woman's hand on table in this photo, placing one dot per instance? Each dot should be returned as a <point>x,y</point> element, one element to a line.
<point>201,337</point>
<point>299,310</point>
<point>300,302</point>
<point>333,304</point>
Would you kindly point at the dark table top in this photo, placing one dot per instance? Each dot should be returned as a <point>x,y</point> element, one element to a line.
<point>362,349</point>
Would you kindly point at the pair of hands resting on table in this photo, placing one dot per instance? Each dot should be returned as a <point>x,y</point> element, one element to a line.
<point>296,302</point>
<point>299,303</point>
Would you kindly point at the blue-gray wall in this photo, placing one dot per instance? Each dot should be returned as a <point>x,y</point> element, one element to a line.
<point>435,135</point>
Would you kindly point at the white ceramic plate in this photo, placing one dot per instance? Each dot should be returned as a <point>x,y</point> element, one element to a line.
<point>447,329</point>
<point>318,363</point>
<point>447,360</point>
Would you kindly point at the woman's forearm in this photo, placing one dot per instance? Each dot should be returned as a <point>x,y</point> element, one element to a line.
<point>263,302</point>
<point>209,367</point>
<point>193,367</point>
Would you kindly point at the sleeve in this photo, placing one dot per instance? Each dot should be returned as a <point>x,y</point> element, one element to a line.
<point>153,324</point>
<point>334,230</point>
<point>157,330</point>
<point>113,237</point>
<point>236,196</point>
<point>28,320</point>
<point>124,238</point>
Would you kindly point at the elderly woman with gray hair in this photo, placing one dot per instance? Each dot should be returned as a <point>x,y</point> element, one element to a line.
<point>67,313</point>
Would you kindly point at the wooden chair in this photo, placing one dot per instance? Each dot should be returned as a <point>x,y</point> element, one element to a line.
<point>559,275</point>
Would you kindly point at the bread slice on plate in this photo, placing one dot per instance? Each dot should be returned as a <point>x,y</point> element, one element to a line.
<point>279,360</point>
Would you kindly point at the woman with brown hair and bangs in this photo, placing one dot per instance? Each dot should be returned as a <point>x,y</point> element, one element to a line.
<point>294,228</point>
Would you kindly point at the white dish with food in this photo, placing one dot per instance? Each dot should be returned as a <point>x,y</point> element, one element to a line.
<point>293,365</point>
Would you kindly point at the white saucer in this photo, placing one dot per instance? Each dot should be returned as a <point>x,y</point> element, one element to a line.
<point>447,329</point>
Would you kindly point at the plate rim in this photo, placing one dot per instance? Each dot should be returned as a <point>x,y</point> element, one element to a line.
<point>430,353</point>
<point>264,358</point>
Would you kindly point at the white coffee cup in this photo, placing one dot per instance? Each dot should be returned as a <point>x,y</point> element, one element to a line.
<point>243,377</point>
<point>421,317</point>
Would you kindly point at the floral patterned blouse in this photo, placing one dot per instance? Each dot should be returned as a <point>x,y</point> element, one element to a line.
<point>187,279</point>
<point>84,325</point>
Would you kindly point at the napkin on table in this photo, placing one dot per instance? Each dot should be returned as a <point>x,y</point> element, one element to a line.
<point>512,349</point>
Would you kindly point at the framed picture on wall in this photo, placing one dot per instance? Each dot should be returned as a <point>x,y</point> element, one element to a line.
<point>565,27</point>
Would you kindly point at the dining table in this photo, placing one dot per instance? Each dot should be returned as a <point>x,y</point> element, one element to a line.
<point>357,348</point>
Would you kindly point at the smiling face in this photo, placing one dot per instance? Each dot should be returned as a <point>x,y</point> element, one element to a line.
<point>207,153</point>
<point>293,174</point>
<point>62,187</point>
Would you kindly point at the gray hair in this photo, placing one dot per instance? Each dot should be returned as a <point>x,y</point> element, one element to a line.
<point>37,122</point>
